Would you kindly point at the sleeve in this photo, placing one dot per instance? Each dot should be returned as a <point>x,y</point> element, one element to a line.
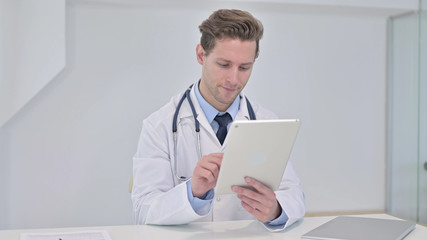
<point>200,205</point>
<point>282,219</point>
<point>155,198</point>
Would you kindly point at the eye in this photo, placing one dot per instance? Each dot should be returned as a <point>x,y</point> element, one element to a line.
<point>224,65</point>
<point>244,68</point>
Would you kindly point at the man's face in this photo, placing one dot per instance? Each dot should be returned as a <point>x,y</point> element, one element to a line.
<point>225,70</point>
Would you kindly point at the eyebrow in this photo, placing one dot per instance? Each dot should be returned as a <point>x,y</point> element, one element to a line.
<point>228,61</point>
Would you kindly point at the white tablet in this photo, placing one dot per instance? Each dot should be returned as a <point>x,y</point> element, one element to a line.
<point>259,149</point>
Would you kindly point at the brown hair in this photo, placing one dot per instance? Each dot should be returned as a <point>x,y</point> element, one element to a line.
<point>230,23</point>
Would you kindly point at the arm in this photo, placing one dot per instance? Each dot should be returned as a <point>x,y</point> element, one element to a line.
<point>156,199</point>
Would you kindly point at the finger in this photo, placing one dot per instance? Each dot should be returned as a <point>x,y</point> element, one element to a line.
<point>217,155</point>
<point>253,203</point>
<point>255,212</point>
<point>212,167</point>
<point>202,173</point>
<point>215,158</point>
<point>266,206</point>
<point>264,203</point>
<point>261,188</point>
<point>249,193</point>
<point>264,211</point>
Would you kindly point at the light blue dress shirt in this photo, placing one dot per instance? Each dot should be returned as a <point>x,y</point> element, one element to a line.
<point>210,113</point>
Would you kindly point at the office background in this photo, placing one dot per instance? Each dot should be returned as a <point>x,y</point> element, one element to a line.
<point>79,76</point>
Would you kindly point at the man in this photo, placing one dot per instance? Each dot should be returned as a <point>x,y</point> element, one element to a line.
<point>162,194</point>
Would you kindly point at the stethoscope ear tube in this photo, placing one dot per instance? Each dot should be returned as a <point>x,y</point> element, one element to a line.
<point>187,94</point>
<point>175,116</point>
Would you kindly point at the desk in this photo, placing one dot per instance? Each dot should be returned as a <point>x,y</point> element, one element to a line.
<point>209,230</point>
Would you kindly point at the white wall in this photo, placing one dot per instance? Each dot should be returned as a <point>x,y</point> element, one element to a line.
<point>32,46</point>
<point>66,156</point>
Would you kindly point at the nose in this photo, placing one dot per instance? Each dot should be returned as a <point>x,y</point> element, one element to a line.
<point>233,75</point>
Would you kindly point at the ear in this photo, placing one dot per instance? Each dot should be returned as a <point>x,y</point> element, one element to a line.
<point>200,54</point>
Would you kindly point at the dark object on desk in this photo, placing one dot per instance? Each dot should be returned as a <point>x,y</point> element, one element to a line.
<point>361,228</point>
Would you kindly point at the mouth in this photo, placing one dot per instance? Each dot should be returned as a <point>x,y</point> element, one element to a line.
<point>229,89</point>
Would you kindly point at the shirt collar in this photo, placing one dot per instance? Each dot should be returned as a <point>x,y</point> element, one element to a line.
<point>210,111</point>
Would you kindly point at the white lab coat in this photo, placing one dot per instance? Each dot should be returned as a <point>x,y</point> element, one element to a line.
<point>160,198</point>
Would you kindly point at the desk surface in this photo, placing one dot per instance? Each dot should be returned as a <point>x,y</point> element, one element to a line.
<point>208,230</point>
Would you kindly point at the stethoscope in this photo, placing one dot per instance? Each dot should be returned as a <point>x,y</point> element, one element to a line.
<point>197,127</point>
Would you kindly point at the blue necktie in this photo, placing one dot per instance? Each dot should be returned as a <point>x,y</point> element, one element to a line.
<point>223,121</point>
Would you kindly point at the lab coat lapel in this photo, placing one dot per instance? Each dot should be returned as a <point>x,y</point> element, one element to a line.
<point>243,113</point>
<point>200,114</point>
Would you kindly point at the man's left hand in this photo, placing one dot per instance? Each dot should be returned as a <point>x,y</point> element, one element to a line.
<point>261,203</point>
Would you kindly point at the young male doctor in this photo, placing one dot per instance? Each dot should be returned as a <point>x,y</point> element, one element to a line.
<point>174,177</point>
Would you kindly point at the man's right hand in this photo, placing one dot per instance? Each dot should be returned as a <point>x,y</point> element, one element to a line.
<point>205,174</point>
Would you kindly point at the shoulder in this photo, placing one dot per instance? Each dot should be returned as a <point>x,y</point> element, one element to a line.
<point>261,112</point>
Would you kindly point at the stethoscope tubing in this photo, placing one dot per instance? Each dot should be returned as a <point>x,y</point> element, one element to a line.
<point>186,95</point>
